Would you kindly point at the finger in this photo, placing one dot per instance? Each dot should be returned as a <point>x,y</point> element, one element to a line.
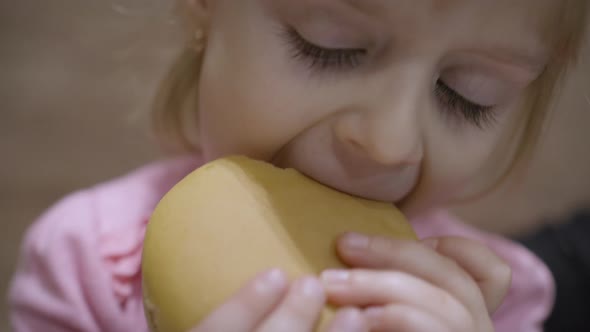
<point>404,318</point>
<point>412,257</point>
<point>248,307</point>
<point>362,288</point>
<point>348,320</point>
<point>299,309</point>
<point>490,272</point>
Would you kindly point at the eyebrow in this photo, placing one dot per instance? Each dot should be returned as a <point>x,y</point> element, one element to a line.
<point>534,59</point>
<point>378,5</point>
<point>367,6</point>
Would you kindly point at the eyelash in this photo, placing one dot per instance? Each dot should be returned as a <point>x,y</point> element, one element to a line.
<point>457,105</point>
<point>321,58</point>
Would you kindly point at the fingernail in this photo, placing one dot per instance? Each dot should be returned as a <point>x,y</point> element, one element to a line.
<point>431,243</point>
<point>271,280</point>
<point>374,312</point>
<point>355,241</point>
<point>309,287</point>
<point>348,320</point>
<point>274,276</point>
<point>335,276</point>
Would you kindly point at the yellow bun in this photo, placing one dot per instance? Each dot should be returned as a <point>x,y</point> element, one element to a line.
<point>235,217</point>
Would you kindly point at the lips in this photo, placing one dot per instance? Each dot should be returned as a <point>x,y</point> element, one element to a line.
<point>391,185</point>
<point>380,187</point>
<point>318,154</point>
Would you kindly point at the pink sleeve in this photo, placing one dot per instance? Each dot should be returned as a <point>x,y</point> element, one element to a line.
<point>64,282</point>
<point>530,298</point>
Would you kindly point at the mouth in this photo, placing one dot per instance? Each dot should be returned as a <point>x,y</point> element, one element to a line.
<point>382,187</point>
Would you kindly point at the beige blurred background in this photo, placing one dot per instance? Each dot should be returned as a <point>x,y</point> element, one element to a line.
<point>76,78</point>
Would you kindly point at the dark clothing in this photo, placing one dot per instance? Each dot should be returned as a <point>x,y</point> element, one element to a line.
<point>566,251</point>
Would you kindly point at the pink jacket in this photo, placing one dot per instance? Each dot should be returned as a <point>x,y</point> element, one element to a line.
<point>79,267</point>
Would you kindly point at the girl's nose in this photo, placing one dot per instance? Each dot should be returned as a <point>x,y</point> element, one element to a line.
<point>387,132</point>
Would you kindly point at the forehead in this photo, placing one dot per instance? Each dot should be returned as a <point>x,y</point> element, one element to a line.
<point>539,13</point>
<point>443,5</point>
<point>530,23</point>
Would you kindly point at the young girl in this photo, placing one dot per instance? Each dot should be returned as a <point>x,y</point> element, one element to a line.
<point>420,103</point>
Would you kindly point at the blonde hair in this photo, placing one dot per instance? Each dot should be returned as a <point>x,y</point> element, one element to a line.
<point>175,101</point>
<point>567,42</point>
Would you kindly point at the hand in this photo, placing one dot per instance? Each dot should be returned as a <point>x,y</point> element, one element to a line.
<point>269,304</point>
<point>442,284</point>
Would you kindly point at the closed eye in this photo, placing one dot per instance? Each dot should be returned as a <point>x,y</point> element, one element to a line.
<point>462,108</point>
<point>323,58</point>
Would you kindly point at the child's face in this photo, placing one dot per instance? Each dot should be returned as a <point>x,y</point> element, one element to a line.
<point>412,101</point>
